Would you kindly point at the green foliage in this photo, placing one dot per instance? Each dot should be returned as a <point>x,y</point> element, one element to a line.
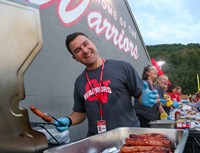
<point>182,63</point>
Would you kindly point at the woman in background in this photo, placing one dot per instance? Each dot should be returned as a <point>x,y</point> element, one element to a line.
<point>171,90</point>
<point>178,93</point>
<point>145,114</point>
<point>161,88</point>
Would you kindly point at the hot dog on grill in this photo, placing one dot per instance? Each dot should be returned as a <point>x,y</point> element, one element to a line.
<point>40,114</point>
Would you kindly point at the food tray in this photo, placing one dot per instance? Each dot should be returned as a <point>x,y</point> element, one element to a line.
<point>163,124</point>
<point>116,138</point>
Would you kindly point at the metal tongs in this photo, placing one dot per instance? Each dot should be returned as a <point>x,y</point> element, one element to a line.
<point>46,117</point>
<point>48,121</point>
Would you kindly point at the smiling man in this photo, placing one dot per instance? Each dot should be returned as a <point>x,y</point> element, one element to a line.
<point>103,91</point>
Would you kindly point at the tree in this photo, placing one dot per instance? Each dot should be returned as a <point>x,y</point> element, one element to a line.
<point>182,63</point>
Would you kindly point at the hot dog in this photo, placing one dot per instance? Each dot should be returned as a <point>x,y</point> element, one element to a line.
<point>144,149</point>
<point>44,116</point>
<point>148,142</point>
<point>147,135</point>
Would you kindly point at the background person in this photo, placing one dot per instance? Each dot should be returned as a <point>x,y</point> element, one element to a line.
<point>197,98</point>
<point>171,90</point>
<point>146,114</point>
<point>161,87</point>
<point>178,93</point>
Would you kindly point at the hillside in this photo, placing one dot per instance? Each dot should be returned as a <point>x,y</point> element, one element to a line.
<point>182,63</point>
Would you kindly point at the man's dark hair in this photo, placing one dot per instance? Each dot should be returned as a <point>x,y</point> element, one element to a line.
<point>71,37</point>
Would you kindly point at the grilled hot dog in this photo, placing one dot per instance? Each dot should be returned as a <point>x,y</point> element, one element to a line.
<point>44,116</point>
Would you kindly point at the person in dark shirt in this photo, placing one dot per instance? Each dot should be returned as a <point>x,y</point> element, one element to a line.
<point>146,114</point>
<point>103,91</point>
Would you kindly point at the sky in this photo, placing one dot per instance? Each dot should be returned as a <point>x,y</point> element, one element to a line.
<point>167,21</point>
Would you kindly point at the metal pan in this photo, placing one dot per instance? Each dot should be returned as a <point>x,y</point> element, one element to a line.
<point>116,138</point>
<point>162,124</point>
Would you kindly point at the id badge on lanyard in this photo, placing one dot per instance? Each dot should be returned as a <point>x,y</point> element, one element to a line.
<point>101,124</point>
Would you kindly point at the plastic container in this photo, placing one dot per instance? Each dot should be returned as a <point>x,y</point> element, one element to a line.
<point>61,137</point>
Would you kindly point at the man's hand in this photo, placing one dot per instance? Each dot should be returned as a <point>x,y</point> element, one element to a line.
<point>149,97</point>
<point>62,124</point>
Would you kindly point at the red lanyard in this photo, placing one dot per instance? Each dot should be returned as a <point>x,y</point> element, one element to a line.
<point>100,94</point>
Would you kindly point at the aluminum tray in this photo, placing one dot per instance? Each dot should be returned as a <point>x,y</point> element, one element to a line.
<point>116,138</point>
<point>162,124</point>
